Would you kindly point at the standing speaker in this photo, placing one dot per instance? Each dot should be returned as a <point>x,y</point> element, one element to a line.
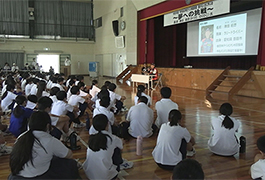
<point>115,27</point>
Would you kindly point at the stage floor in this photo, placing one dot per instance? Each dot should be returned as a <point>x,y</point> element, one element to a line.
<point>197,113</point>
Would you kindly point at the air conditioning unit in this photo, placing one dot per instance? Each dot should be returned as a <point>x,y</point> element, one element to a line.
<point>119,42</point>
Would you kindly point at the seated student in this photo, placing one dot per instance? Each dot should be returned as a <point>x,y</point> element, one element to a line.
<point>103,92</point>
<point>71,84</point>
<point>32,102</point>
<point>28,87</point>
<point>41,89</point>
<point>19,116</point>
<point>59,84</point>
<point>34,88</point>
<point>224,141</point>
<point>174,142</point>
<point>116,101</point>
<point>141,118</point>
<point>258,168</point>
<point>85,95</point>
<point>140,92</point>
<point>103,159</point>
<point>61,107</point>
<point>53,93</point>
<point>164,106</point>
<point>188,169</point>
<point>8,98</point>
<point>102,109</point>
<point>79,78</point>
<point>38,155</point>
<point>70,77</point>
<point>77,101</point>
<point>94,90</point>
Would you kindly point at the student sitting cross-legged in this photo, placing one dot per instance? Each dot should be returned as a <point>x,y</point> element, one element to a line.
<point>174,142</point>
<point>103,159</point>
<point>141,119</point>
<point>38,155</point>
<point>258,168</point>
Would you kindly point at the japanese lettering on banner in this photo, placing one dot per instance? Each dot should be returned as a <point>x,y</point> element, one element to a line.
<point>196,12</point>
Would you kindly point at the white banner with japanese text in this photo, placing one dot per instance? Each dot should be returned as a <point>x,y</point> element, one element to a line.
<point>196,12</point>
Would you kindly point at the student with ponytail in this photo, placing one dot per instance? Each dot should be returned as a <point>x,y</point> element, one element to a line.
<point>140,92</point>
<point>8,98</point>
<point>38,155</point>
<point>19,116</point>
<point>224,141</point>
<point>103,158</point>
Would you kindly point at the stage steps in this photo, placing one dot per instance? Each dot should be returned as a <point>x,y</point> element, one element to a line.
<point>127,73</point>
<point>231,84</point>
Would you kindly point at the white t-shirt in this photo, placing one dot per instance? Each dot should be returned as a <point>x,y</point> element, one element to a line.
<point>223,141</point>
<point>33,90</point>
<point>28,89</point>
<point>74,100</point>
<point>258,169</point>
<point>49,84</point>
<point>168,144</point>
<point>113,98</point>
<point>23,84</point>
<point>163,107</point>
<point>93,92</point>
<point>61,108</point>
<point>30,105</point>
<point>59,86</point>
<point>54,98</point>
<point>106,112</point>
<point>68,94</point>
<point>99,165</point>
<point>41,158</point>
<point>149,102</point>
<point>141,118</point>
<point>4,89</point>
<point>45,93</point>
<point>8,100</point>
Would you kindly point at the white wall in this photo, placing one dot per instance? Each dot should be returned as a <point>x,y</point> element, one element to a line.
<point>142,4</point>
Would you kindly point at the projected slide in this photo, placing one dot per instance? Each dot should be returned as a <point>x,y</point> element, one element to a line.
<point>223,36</point>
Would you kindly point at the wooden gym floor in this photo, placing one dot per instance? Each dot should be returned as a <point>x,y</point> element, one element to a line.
<point>197,113</point>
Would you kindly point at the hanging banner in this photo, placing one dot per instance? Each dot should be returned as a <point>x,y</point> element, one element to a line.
<point>200,11</point>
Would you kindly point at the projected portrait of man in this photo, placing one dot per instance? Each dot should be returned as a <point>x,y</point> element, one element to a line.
<point>207,41</point>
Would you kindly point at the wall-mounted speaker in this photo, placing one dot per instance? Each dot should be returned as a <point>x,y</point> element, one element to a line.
<point>115,27</point>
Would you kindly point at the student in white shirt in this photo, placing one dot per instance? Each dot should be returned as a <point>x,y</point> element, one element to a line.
<point>140,92</point>
<point>102,109</point>
<point>116,101</point>
<point>32,102</point>
<point>25,76</point>
<point>41,89</point>
<point>34,88</point>
<point>103,157</point>
<point>258,168</point>
<point>53,93</point>
<point>59,84</point>
<point>8,98</point>
<point>141,118</point>
<point>94,90</point>
<point>28,87</point>
<point>71,84</point>
<point>174,142</point>
<point>224,141</point>
<point>85,95</point>
<point>164,106</point>
<point>188,169</point>
<point>61,107</point>
<point>38,155</point>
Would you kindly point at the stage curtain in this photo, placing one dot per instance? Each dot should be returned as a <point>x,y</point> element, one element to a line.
<point>261,51</point>
<point>141,42</point>
<point>150,41</point>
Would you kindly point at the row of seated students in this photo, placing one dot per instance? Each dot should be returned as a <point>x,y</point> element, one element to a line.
<point>174,142</point>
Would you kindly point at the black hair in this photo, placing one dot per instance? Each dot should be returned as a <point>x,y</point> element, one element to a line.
<point>227,109</point>
<point>80,77</point>
<point>174,117</point>
<point>103,92</point>
<point>60,79</point>
<point>71,82</point>
<point>188,169</point>
<point>261,144</point>
<point>22,149</point>
<point>81,84</point>
<point>41,87</point>
<point>94,82</point>
<point>29,80</point>
<point>35,80</point>
<point>54,79</point>
<point>25,75</point>
<point>32,98</point>
<point>44,102</point>
<point>54,90</point>
<point>18,111</point>
<point>104,87</point>
<point>140,89</point>
<point>112,86</point>
<point>9,87</point>
<point>74,90</point>
<point>61,95</point>
<point>165,92</point>
<point>143,99</point>
<point>99,141</point>
<point>107,83</point>
<point>105,101</point>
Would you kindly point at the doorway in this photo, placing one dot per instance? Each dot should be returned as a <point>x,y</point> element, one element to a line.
<point>46,61</point>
